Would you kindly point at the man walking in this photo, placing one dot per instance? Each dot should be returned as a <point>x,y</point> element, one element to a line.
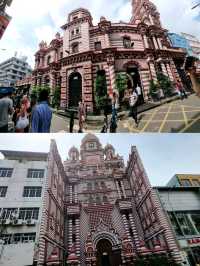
<point>133,107</point>
<point>42,114</point>
<point>6,109</point>
<point>181,90</point>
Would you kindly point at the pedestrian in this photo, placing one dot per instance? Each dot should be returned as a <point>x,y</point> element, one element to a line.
<point>6,109</point>
<point>42,114</point>
<point>71,123</point>
<point>26,105</point>
<point>181,90</point>
<point>133,107</point>
<point>113,123</point>
<point>22,120</point>
<point>105,126</point>
<point>107,106</point>
<point>138,90</point>
<point>81,116</point>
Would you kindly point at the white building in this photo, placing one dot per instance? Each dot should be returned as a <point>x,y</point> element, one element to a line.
<point>194,43</point>
<point>12,70</point>
<point>22,181</point>
<point>182,206</point>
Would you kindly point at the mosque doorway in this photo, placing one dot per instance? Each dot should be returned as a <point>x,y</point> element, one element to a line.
<point>75,89</point>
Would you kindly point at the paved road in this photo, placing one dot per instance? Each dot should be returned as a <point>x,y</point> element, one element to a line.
<point>176,117</point>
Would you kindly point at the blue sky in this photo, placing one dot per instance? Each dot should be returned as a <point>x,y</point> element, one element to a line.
<point>34,20</point>
<point>163,155</point>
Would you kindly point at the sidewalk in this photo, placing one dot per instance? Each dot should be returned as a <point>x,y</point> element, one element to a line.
<point>91,119</point>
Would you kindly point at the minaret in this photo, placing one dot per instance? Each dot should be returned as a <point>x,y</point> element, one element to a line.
<point>145,11</point>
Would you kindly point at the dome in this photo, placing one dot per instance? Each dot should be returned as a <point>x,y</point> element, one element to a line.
<point>90,137</point>
<point>73,154</point>
<point>109,147</point>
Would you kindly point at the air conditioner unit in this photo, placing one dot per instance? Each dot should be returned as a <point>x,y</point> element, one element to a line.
<point>3,221</point>
<point>17,222</point>
<point>30,222</point>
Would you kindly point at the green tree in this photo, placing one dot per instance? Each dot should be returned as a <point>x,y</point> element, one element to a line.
<point>121,84</point>
<point>153,90</point>
<point>100,90</point>
<point>35,91</point>
<point>56,97</point>
<point>165,84</point>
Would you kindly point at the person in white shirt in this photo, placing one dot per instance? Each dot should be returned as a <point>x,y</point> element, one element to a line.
<point>133,106</point>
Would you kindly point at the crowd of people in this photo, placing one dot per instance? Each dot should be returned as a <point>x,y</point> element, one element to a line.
<point>32,116</point>
<point>35,115</point>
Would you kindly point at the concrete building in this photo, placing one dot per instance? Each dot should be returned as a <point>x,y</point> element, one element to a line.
<point>12,70</point>
<point>194,42</point>
<point>138,50</point>
<point>182,206</point>
<point>22,182</point>
<point>184,180</point>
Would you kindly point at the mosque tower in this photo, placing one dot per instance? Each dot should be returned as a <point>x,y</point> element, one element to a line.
<point>144,11</point>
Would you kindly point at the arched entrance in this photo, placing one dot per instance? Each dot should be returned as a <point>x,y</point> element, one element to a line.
<point>75,89</point>
<point>134,81</point>
<point>106,256</point>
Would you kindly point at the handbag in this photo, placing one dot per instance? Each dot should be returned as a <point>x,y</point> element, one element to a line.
<point>22,122</point>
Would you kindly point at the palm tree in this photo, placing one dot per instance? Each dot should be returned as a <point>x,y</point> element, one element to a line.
<point>196,6</point>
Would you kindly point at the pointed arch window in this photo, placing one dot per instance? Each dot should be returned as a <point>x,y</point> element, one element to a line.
<point>75,47</point>
<point>105,199</point>
<point>98,200</point>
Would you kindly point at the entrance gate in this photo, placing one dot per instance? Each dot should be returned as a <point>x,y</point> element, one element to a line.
<point>106,256</point>
<point>75,89</point>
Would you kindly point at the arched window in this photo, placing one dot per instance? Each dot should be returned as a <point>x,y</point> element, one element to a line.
<point>91,200</point>
<point>127,42</point>
<point>48,60</point>
<point>75,48</point>
<point>105,199</point>
<point>103,185</point>
<point>98,200</point>
<point>96,185</point>
<point>89,186</point>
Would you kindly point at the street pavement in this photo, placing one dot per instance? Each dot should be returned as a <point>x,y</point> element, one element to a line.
<point>180,116</point>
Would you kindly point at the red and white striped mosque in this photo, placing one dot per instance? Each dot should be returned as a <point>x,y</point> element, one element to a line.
<point>139,49</point>
<point>99,212</point>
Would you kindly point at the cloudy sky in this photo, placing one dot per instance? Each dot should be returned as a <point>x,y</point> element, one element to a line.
<point>35,20</point>
<point>163,155</point>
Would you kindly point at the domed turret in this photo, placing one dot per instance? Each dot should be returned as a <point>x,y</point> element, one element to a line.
<point>109,152</point>
<point>74,154</point>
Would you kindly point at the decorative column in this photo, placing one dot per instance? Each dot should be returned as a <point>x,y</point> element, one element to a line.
<point>70,194</point>
<point>123,189</point>
<point>77,232</point>
<point>159,43</point>
<point>151,19</point>
<point>64,93</point>
<point>75,194</point>
<point>146,44</point>
<point>152,69</point>
<point>126,225</point>
<point>164,70</point>
<point>70,234</point>
<point>118,189</point>
<point>135,234</point>
<point>169,72</point>
<point>155,43</point>
<point>111,69</point>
